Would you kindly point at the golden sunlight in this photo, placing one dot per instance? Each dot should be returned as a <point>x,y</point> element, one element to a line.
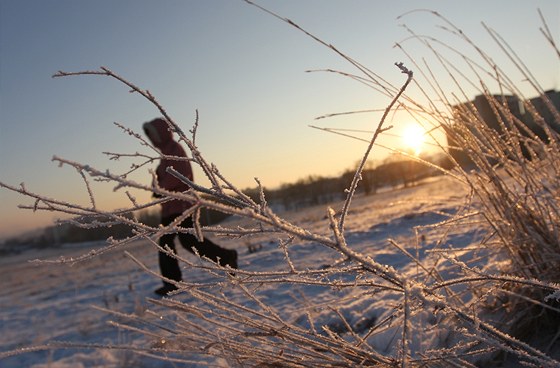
<point>413,137</point>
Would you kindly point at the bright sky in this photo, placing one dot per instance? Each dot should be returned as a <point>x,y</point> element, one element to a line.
<point>243,69</point>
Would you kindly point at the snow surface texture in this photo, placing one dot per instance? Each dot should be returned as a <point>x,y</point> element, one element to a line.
<point>43,303</point>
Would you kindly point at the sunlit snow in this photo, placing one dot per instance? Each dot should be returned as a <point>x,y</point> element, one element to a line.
<point>44,303</point>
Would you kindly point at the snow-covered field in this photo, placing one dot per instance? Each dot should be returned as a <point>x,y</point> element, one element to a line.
<point>41,303</point>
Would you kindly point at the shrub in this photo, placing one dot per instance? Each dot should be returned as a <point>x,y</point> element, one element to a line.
<point>513,202</point>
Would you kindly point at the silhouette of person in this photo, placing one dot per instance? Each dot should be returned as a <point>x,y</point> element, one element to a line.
<point>159,133</point>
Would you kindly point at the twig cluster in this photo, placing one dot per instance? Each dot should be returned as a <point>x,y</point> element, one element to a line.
<point>517,204</point>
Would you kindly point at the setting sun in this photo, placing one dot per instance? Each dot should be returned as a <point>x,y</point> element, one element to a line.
<point>413,137</point>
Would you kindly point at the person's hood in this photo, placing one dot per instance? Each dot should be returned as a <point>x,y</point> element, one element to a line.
<point>158,132</point>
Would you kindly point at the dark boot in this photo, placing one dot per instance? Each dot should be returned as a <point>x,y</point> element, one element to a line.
<point>165,289</point>
<point>229,258</point>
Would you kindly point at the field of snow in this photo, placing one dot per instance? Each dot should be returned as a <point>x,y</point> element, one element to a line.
<point>42,303</point>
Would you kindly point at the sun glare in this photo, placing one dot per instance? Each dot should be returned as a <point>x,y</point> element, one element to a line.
<point>413,137</point>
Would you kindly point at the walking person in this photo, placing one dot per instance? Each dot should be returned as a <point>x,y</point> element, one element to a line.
<point>159,133</point>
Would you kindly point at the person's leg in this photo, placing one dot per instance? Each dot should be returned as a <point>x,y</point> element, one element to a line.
<point>207,248</point>
<point>169,266</point>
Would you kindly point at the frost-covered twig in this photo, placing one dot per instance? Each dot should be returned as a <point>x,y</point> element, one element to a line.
<point>380,128</point>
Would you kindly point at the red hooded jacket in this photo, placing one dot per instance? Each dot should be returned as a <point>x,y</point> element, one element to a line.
<point>160,135</point>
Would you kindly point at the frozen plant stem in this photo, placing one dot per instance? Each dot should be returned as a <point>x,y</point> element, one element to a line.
<point>380,129</point>
<point>369,75</point>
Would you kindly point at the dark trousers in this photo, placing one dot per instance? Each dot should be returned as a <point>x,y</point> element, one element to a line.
<point>168,265</point>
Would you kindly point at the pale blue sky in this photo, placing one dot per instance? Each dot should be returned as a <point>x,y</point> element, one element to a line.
<point>241,68</point>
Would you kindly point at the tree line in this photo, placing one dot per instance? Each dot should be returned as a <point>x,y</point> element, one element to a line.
<point>394,172</point>
<point>66,233</point>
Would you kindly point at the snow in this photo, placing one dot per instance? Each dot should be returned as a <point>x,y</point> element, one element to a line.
<point>42,303</point>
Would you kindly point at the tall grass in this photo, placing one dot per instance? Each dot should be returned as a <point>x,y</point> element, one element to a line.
<point>514,200</point>
<point>515,173</point>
